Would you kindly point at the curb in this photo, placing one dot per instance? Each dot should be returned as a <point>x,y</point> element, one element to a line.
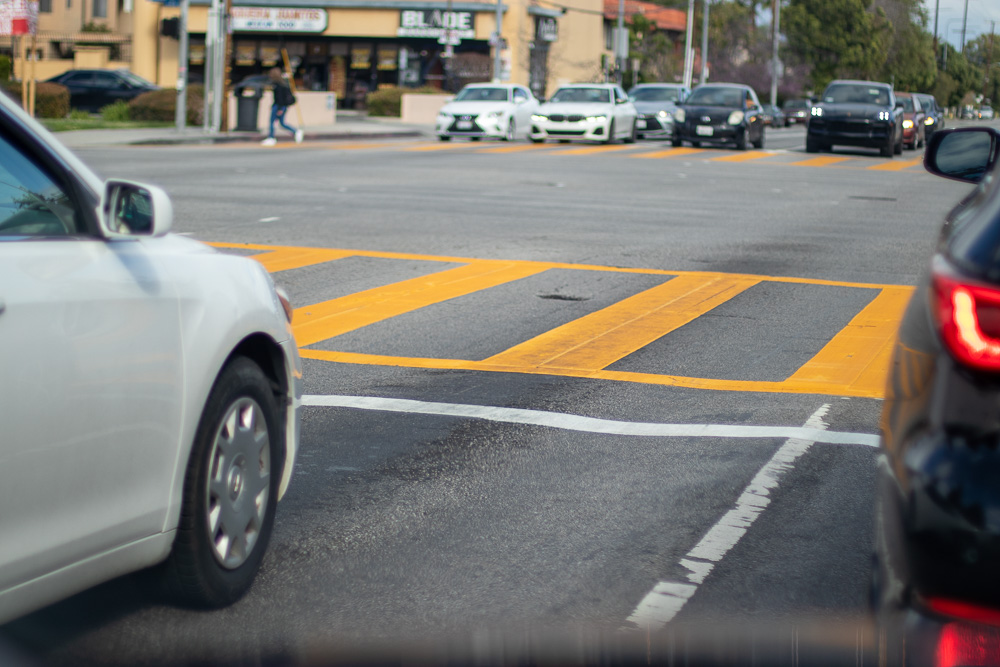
<point>251,138</point>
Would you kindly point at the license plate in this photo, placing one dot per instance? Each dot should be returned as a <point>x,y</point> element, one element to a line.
<point>704,130</point>
<point>641,124</point>
<point>464,124</point>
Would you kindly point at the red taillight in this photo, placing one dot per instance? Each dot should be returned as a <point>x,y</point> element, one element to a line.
<point>968,315</point>
<point>963,611</point>
<point>967,646</point>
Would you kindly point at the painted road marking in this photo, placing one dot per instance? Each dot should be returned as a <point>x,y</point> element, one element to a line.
<point>599,339</point>
<point>667,598</point>
<point>825,161</point>
<point>591,150</point>
<point>569,422</point>
<point>322,321</point>
<point>520,148</point>
<point>673,152</point>
<point>443,146</point>
<point>743,157</point>
<point>854,363</point>
<point>896,165</point>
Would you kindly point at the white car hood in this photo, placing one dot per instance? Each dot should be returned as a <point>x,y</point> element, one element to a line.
<point>474,108</point>
<point>582,108</point>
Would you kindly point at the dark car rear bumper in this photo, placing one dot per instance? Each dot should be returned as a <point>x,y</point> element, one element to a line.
<point>844,134</point>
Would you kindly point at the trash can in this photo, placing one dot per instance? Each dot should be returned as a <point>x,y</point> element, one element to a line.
<point>247,106</point>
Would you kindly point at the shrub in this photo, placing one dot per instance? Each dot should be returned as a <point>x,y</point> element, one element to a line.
<point>6,67</point>
<point>387,101</point>
<point>116,112</point>
<point>161,105</point>
<point>51,99</point>
<point>79,114</point>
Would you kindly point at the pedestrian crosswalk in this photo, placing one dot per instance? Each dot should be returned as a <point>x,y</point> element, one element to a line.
<point>852,362</point>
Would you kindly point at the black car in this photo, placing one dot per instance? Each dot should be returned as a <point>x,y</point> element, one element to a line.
<point>720,113</point>
<point>856,113</point>
<point>797,111</point>
<point>93,89</point>
<point>935,588</point>
<point>935,114</point>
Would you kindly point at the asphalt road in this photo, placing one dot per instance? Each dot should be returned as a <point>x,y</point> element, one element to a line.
<point>484,516</point>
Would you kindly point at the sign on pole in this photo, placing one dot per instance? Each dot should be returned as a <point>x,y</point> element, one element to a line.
<point>18,17</point>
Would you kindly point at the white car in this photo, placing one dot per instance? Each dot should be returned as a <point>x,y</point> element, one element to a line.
<point>493,110</point>
<point>586,111</point>
<point>150,389</point>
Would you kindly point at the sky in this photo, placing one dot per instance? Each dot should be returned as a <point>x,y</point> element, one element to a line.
<point>950,13</point>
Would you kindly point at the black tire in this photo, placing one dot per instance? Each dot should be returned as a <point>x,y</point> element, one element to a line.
<point>444,137</point>
<point>899,145</point>
<point>760,142</point>
<point>741,141</point>
<point>812,145</point>
<point>194,574</point>
<point>677,142</point>
<point>537,140</point>
<point>511,131</point>
<point>474,138</point>
<point>611,132</point>
<point>888,149</point>
<point>630,139</point>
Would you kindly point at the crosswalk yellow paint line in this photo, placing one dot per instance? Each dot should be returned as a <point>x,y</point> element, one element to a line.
<point>858,356</point>
<point>602,338</point>
<point>297,258</point>
<point>518,148</point>
<point>896,165</point>
<point>673,152</point>
<point>321,321</point>
<point>591,150</point>
<point>824,161</point>
<point>443,146</point>
<point>743,157</point>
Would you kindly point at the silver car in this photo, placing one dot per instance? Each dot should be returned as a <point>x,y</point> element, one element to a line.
<point>150,389</point>
<point>656,104</point>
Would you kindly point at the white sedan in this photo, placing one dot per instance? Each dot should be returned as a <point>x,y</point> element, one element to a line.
<point>497,111</point>
<point>586,111</point>
<point>150,389</point>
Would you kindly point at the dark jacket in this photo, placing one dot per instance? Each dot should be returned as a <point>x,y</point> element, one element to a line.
<point>283,94</point>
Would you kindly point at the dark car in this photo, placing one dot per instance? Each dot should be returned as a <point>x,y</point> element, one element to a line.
<point>720,113</point>
<point>856,113</point>
<point>93,89</point>
<point>656,104</point>
<point>934,120</point>
<point>797,111</point>
<point>935,588</point>
<point>914,129</point>
<point>774,116</point>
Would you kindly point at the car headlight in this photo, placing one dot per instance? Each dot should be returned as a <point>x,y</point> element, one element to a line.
<point>907,124</point>
<point>736,117</point>
<point>662,113</point>
<point>536,117</point>
<point>884,115</point>
<point>596,119</point>
<point>816,111</point>
<point>494,115</point>
<point>928,121</point>
<point>679,115</point>
<point>444,116</point>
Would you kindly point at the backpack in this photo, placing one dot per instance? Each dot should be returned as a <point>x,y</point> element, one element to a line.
<point>283,96</point>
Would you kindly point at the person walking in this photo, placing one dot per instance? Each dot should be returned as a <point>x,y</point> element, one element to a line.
<point>283,98</point>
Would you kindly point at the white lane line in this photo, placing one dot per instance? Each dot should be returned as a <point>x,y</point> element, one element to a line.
<point>591,424</point>
<point>662,604</point>
<point>268,219</point>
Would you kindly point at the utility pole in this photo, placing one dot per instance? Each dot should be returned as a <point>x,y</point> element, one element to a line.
<point>704,43</point>
<point>227,55</point>
<point>688,46</point>
<point>965,22</point>
<point>621,50</point>
<point>497,60</point>
<point>775,63</point>
<point>937,7</point>
<point>180,116</point>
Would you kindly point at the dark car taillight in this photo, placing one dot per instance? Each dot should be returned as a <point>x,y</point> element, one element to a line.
<point>961,645</point>
<point>968,317</point>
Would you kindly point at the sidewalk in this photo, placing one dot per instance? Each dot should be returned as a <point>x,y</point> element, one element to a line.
<point>349,125</point>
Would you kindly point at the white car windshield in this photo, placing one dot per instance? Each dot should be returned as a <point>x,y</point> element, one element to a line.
<point>594,95</point>
<point>482,95</point>
<point>655,95</point>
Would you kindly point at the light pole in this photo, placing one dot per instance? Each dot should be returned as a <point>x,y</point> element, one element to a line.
<point>688,46</point>
<point>497,61</point>
<point>704,44</point>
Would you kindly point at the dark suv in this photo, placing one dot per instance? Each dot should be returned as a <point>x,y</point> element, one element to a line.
<point>856,113</point>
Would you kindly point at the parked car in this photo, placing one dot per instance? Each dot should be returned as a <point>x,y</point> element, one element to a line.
<point>985,112</point>
<point>588,111</point>
<point>968,113</point>
<point>656,104</point>
<point>774,116</point>
<point>720,113</point>
<point>487,110</point>
<point>914,128</point>
<point>934,586</point>
<point>797,111</point>
<point>856,113</point>
<point>93,89</point>
<point>151,388</point>
<point>934,119</point>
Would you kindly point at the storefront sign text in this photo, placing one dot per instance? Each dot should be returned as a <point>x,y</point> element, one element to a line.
<point>278,19</point>
<point>436,23</point>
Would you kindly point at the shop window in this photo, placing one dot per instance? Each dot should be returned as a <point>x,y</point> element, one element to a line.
<point>100,9</point>
<point>45,6</point>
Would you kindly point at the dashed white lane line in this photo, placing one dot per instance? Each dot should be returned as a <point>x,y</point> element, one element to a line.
<point>667,598</point>
<point>590,424</point>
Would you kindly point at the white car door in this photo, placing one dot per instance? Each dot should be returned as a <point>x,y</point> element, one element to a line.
<point>525,105</point>
<point>625,113</point>
<point>90,376</point>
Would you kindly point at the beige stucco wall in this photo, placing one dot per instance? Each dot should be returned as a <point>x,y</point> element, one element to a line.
<point>311,109</point>
<point>421,108</point>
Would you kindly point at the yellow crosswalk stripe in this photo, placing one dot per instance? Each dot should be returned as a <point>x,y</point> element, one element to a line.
<point>743,157</point>
<point>897,165</point>
<point>519,148</point>
<point>443,146</point>
<point>825,161</point>
<point>591,150</point>
<point>602,338</point>
<point>321,321</point>
<point>858,356</point>
<point>673,152</point>
<point>297,258</point>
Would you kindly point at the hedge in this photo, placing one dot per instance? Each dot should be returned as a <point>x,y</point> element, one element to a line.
<point>51,99</point>
<point>387,101</point>
<point>161,105</point>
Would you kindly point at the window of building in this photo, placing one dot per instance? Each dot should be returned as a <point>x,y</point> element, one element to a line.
<point>100,9</point>
<point>45,6</point>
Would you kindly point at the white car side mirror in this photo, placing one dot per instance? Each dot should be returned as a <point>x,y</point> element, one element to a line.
<point>130,209</point>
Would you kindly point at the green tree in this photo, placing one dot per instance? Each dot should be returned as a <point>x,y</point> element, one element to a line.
<point>837,38</point>
<point>957,79</point>
<point>654,51</point>
<point>909,62</point>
